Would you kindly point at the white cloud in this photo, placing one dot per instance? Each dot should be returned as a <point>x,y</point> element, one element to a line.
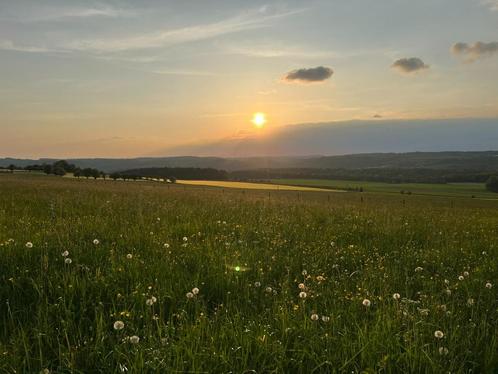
<point>246,21</point>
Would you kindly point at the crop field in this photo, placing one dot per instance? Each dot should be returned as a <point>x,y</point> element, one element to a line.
<point>113,277</point>
<point>251,186</point>
<point>468,190</point>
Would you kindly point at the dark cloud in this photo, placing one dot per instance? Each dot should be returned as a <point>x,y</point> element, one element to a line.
<point>311,75</point>
<point>472,52</point>
<point>409,65</point>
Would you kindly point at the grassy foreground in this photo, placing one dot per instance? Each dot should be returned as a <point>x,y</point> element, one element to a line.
<point>189,279</point>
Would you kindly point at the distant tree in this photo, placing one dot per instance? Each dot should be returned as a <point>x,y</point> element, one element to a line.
<point>47,169</point>
<point>58,170</point>
<point>492,184</point>
<point>114,176</point>
<point>12,167</point>
<point>172,179</point>
<point>77,172</point>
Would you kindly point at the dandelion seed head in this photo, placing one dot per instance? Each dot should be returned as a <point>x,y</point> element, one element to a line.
<point>119,325</point>
<point>314,317</point>
<point>134,339</point>
<point>302,295</point>
<point>68,260</point>
<point>438,334</point>
<point>396,296</point>
<point>366,303</point>
<point>29,245</point>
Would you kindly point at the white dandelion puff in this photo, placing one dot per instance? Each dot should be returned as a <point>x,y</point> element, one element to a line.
<point>366,303</point>
<point>96,241</point>
<point>489,286</point>
<point>134,339</point>
<point>438,334</point>
<point>119,325</point>
<point>29,245</point>
<point>314,317</point>
<point>396,296</point>
<point>68,261</point>
<point>65,254</point>
<point>302,295</point>
<point>189,295</point>
<point>195,291</point>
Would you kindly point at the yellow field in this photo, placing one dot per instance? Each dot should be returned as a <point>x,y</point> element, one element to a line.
<point>253,186</point>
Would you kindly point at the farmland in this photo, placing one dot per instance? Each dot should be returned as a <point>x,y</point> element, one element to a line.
<point>468,190</point>
<point>113,276</point>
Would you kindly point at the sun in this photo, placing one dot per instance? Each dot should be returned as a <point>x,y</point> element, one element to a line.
<point>259,119</point>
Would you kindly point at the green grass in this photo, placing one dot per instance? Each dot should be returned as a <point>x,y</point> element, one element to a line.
<point>247,252</point>
<point>477,190</point>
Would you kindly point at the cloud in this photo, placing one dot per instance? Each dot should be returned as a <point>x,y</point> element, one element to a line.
<point>308,75</point>
<point>9,45</point>
<point>245,21</point>
<point>492,4</point>
<point>472,52</point>
<point>409,65</point>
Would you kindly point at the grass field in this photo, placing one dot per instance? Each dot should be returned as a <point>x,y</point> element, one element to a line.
<point>252,186</point>
<point>113,277</point>
<point>477,190</point>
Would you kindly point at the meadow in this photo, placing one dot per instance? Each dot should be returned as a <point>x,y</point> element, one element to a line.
<point>113,277</point>
<point>465,190</point>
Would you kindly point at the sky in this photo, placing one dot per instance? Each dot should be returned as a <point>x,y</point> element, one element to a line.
<point>124,78</point>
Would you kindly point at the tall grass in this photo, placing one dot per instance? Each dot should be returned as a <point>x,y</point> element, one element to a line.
<point>250,254</point>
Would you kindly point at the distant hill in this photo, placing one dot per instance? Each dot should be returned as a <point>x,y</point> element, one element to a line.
<point>456,161</point>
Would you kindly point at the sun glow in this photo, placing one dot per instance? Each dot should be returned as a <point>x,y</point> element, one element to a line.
<point>259,119</point>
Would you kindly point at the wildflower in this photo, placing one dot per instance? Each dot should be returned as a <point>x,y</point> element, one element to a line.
<point>68,261</point>
<point>166,245</point>
<point>489,285</point>
<point>465,273</point>
<point>185,239</point>
<point>325,319</point>
<point>438,334</point>
<point>134,339</point>
<point>29,245</point>
<point>320,278</point>
<point>366,303</point>
<point>423,312</point>
<point>314,317</point>
<point>129,256</point>
<point>418,269</point>
<point>65,253</point>
<point>302,295</point>
<point>151,301</point>
<point>301,286</point>
<point>460,278</point>
<point>119,325</point>
<point>257,284</point>
<point>96,241</point>
<point>443,351</point>
<point>195,291</point>
<point>396,296</point>
<point>470,302</point>
<point>189,295</point>
<point>268,289</point>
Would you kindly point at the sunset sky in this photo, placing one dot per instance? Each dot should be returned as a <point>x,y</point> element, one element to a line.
<point>129,78</point>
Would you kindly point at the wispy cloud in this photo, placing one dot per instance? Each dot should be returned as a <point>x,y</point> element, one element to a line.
<point>49,14</point>
<point>9,45</point>
<point>492,4</point>
<point>270,50</point>
<point>472,52</point>
<point>245,21</point>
